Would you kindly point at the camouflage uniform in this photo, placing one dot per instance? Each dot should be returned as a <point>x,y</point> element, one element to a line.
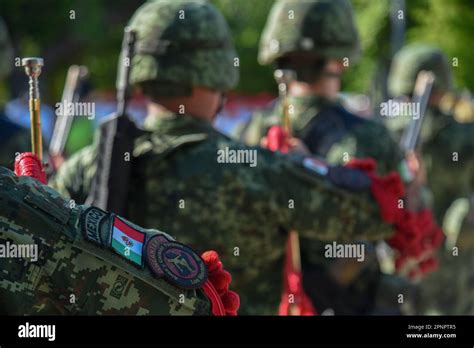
<point>328,131</point>
<point>13,138</point>
<point>73,275</point>
<point>447,149</point>
<point>179,182</point>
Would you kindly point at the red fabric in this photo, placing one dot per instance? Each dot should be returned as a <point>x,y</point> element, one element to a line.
<point>387,190</point>
<point>278,139</point>
<point>416,234</point>
<point>293,285</point>
<point>28,164</point>
<point>220,280</point>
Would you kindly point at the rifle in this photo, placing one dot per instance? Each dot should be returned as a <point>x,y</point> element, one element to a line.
<point>409,142</point>
<point>421,95</point>
<point>75,79</point>
<point>117,135</point>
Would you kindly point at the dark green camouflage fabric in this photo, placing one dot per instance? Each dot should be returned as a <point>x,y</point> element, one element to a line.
<point>181,44</point>
<point>410,60</point>
<point>331,132</point>
<point>179,184</point>
<point>324,28</point>
<point>71,275</point>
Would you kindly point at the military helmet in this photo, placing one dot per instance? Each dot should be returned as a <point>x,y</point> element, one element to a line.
<point>323,28</point>
<point>181,44</point>
<point>6,51</point>
<point>410,60</point>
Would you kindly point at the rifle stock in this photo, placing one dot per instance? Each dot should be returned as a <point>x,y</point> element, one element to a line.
<point>117,135</point>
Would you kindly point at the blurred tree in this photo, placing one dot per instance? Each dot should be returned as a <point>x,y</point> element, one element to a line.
<point>246,19</point>
<point>447,24</point>
<point>93,38</point>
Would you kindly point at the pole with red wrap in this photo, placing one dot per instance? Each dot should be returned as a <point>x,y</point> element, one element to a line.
<point>294,300</point>
<point>30,163</point>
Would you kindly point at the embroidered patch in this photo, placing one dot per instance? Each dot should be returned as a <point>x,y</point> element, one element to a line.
<point>315,165</point>
<point>127,241</point>
<point>178,263</point>
<point>93,218</point>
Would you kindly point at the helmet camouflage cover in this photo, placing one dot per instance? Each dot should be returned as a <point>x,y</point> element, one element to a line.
<point>323,28</point>
<point>182,44</point>
<point>6,51</point>
<point>410,60</point>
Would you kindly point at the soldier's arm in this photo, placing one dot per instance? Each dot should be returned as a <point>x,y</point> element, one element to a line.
<point>74,177</point>
<point>319,206</point>
<point>81,264</point>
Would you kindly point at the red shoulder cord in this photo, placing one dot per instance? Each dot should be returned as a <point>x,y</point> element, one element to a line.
<point>416,235</point>
<point>28,164</point>
<point>216,288</point>
<point>278,140</point>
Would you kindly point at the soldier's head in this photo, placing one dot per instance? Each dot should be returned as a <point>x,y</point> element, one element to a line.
<point>6,51</point>
<point>412,59</point>
<point>313,37</point>
<point>184,55</point>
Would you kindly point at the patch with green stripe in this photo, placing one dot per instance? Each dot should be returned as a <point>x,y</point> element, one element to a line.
<point>127,241</point>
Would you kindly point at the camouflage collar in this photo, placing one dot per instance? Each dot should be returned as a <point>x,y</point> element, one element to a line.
<point>173,123</point>
<point>169,131</point>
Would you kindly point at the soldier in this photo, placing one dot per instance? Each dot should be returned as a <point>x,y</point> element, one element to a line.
<point>317,40</point>
<point>447,147</point>
<point>62,259</point>
<point>13,138</point>
<point>445,142</point>
<point>210,190</point>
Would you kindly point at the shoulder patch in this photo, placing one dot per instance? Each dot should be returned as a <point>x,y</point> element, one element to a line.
<point>91,224</point>
<point>316,165</point>
<point>127,241</point>
<point>176,262</point>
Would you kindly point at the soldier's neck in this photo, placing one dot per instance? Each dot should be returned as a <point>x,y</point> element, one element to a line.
<point>202,104</point>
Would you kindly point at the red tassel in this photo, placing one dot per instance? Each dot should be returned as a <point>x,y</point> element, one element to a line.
<point>278,139</point>
<point>220,280</point>
<point>231,302</point>
<point>28,164</point>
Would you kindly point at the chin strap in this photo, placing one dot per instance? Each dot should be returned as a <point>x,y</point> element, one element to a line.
<point>28,164</point>
<point>223,300</point>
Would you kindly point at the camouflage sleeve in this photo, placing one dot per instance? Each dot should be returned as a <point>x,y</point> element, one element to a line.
<point>369,139</point>
<point>257,197</point>
<point>74,177</point>
<point>72,265</point>
<point>314,204</point>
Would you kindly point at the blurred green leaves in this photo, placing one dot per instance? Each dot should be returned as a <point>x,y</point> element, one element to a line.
<point>93,38</point>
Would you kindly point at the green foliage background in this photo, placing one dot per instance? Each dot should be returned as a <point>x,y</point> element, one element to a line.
<point>93,38</point>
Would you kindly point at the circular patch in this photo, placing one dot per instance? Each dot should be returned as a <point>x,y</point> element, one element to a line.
<point>178,263</point>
